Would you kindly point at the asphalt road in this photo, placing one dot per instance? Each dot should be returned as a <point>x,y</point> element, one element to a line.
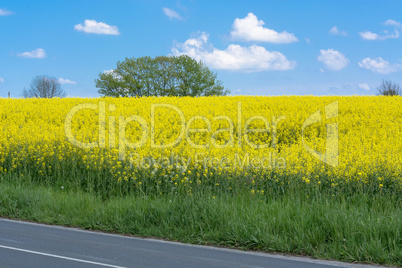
<point>25,244</point>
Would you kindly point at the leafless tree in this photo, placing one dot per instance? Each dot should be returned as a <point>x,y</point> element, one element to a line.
<point>43,86</point>
<point>388,88</point>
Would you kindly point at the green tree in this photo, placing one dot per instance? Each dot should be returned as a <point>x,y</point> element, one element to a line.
<point>159,76</point>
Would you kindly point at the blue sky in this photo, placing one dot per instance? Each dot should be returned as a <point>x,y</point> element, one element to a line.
<point>256,47</point>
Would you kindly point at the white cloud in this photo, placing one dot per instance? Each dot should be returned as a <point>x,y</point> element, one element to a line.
<point>1,79</point>
<point>251,29</point>
<point>94,27</point>
<point>335,31</point>
<point>369,35</point>
<point>307,40</point>
<point>392,23</point>
<point>171,13</point>
<point>66,81</point>
<point>373,36</point>
<point>38,53</point>
<point>379,65</point>
<point>333,59</point>
<point>235,57</point>
<point>5,12</point>
<point>364,86</point>
<point>111,71</point>
<point>235,92</point>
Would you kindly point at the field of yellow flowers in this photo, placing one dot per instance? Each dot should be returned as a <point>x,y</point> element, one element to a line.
<point>165,145</point>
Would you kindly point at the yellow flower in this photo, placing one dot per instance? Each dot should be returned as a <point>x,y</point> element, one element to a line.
<point>34,138</point>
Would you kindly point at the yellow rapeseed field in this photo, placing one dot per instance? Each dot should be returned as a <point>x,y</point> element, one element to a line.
<point>165,144</point>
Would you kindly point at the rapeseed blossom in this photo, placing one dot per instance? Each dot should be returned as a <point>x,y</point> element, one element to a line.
<point>176,144</point>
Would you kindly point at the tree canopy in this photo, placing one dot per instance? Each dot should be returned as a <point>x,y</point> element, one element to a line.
<point>159,76</point>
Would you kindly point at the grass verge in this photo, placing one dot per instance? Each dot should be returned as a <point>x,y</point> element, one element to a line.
<point>359,228</point>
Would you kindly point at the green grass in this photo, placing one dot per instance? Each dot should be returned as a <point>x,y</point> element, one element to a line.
<point>358,227</point>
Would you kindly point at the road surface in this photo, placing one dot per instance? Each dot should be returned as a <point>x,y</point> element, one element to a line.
<point>24,244</point>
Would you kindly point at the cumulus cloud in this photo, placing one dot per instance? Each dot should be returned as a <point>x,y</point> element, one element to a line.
<point>235,57</point>
<point>5,12</point>
<point>333,59</point>
<point>111,71</point>
<point>392,23</point>
<point>66,81</point>
<point>171,13</point>
<point>38,53</point>
<point>364,86</point>
<point>335,31</point>
<point>367,35</point>
<point>1,79</point>
<point>251,29</point>
<point>94,27</point>
<point>373,36</point>
<point>379,65</point>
